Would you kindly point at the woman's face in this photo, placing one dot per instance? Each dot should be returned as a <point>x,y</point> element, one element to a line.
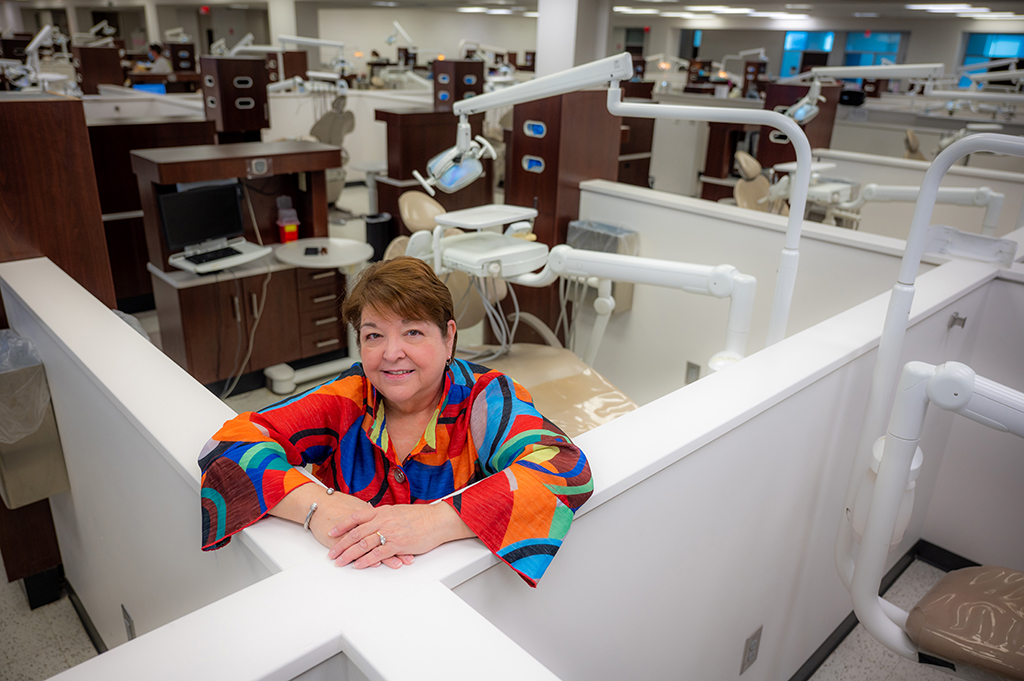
<point>404,359</point>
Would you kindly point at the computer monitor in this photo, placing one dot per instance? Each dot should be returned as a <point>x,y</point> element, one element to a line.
<point>196,215</point>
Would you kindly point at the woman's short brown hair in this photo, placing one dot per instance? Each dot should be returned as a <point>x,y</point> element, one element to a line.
<point>403,286</point>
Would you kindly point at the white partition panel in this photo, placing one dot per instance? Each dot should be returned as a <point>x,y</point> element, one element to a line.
<point>736,531</point>
<point>893,219</point>
<point>715,512</point>
<point>129,529</point>
<point>142,105</point>
<point>645,350</point>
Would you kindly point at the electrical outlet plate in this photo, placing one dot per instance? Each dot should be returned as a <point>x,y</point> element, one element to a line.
<point>750,649</point>
<point>692,372</point>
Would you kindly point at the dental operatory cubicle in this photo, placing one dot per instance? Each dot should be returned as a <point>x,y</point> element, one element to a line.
<point>716,502</point>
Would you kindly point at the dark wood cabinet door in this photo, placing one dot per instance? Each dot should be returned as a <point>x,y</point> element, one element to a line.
<point>278,337</point>
<point>215,329</point>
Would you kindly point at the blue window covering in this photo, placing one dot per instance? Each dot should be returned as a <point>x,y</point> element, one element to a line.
<point>982,47</point>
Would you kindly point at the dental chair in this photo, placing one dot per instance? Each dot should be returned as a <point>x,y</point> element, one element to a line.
<point>912,147</point>
<point>752,189</point>
<point>971,623</point>
<point>567,391</point>
<point>753,185</point>
<point>331,129</point>
<point>418,211</point>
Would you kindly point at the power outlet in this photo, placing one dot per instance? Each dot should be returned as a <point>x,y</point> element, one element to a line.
<point>129,623</point>
<point>750,649</point>
<point>692,372</point>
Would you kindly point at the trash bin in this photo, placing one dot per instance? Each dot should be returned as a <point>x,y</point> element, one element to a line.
<point>31,458</point>
<point>380,231</point>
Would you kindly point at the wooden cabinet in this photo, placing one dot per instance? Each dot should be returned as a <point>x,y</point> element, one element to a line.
<point>320,294</point>
<point>205,320</point>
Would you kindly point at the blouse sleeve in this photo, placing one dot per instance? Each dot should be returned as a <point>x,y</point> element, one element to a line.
<point>537,478</point>
<point>249,465</point>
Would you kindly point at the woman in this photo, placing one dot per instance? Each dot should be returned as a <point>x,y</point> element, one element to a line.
<point>408,426</point>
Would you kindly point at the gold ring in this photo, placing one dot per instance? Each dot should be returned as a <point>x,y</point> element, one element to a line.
<point>383,540</point>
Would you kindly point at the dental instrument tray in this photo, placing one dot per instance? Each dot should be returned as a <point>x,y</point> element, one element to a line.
<point>482,217</point>
<point>486,254</point>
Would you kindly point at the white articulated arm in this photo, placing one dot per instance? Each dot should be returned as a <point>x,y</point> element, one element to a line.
<point>992,201</point>
<point>720,281</point>
<point>32,49</point>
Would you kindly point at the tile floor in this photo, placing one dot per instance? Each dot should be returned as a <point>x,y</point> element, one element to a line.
<point>37,644</point>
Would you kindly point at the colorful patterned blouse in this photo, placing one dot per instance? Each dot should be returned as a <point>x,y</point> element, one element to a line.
<point>520,479</point>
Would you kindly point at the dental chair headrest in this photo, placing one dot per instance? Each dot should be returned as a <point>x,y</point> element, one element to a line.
<point>747,165</point>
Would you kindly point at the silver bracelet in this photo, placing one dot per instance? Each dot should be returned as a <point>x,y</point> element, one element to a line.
<point>330,491</point>
<point>309,516</point>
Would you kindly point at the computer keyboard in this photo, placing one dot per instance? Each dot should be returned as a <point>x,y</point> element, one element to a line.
<point>212,255</point>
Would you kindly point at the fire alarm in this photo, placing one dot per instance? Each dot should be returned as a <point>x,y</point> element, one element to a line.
<point>204,9</point>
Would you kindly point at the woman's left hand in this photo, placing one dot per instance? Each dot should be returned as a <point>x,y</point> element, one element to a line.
<point>410,529</point>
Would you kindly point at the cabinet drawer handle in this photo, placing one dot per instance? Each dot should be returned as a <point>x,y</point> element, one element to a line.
<point>325,343</point>
<point>238,311</point>
<point>323,299</point>
<point>255,306</point>
<point>323,275</point>
<point>325,320</point>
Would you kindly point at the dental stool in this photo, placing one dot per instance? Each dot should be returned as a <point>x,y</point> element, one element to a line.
<point>974,617</point>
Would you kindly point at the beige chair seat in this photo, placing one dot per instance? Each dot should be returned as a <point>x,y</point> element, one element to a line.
<point>974,617</point>
<point>571,394</point>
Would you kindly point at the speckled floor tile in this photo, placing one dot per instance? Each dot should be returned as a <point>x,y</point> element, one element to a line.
<point>913,584</point>
<point>42,664</point>
<point>908,670</point>
<point>858,658</point>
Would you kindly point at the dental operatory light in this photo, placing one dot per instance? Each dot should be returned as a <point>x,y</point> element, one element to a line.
<point>177,35</point>
<point>805,110</point>
<point>457,167</point>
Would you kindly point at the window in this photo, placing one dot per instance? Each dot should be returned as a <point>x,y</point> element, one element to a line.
<point>798,42</point>
<point>869,48</point>
<point>982,47</point>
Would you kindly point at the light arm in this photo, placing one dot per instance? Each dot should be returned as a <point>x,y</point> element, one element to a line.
<point>246,40</point>
<point>721,281</point>
<point>992,201</point>
<point>32,50</point>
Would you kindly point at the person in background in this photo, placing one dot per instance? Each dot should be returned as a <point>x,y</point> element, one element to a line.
<point>414,447</point>
<point>158,62</point>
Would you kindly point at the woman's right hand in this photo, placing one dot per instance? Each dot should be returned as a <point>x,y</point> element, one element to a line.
<point>338,510</point>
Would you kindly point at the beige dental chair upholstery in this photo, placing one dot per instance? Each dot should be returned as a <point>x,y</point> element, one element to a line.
<point>418,211</point>
<point>331,129</point>
<point>974,617</point>
<point>912,147</point>
<point>753,186</point>
<point>568,392</point>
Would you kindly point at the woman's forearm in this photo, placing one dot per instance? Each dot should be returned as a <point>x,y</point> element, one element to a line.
<point>295,506</point>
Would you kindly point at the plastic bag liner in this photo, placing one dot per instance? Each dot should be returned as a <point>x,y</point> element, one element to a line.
<point>24,394</point>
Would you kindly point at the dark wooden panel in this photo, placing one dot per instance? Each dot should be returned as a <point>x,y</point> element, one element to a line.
<point>182,56</point>
<point>113,140</point>
<point>454,79</point>
<point>205,162</point>
<point>636,171</point>
<point>215,329</point>
<point>222,92</point>
<point>277,338</point>
<point>126,247</point>
<point>49,202</point>
<point>641,136</point>
<point>27,540</point>
<point>97,65</point>
<point>582,143</point>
